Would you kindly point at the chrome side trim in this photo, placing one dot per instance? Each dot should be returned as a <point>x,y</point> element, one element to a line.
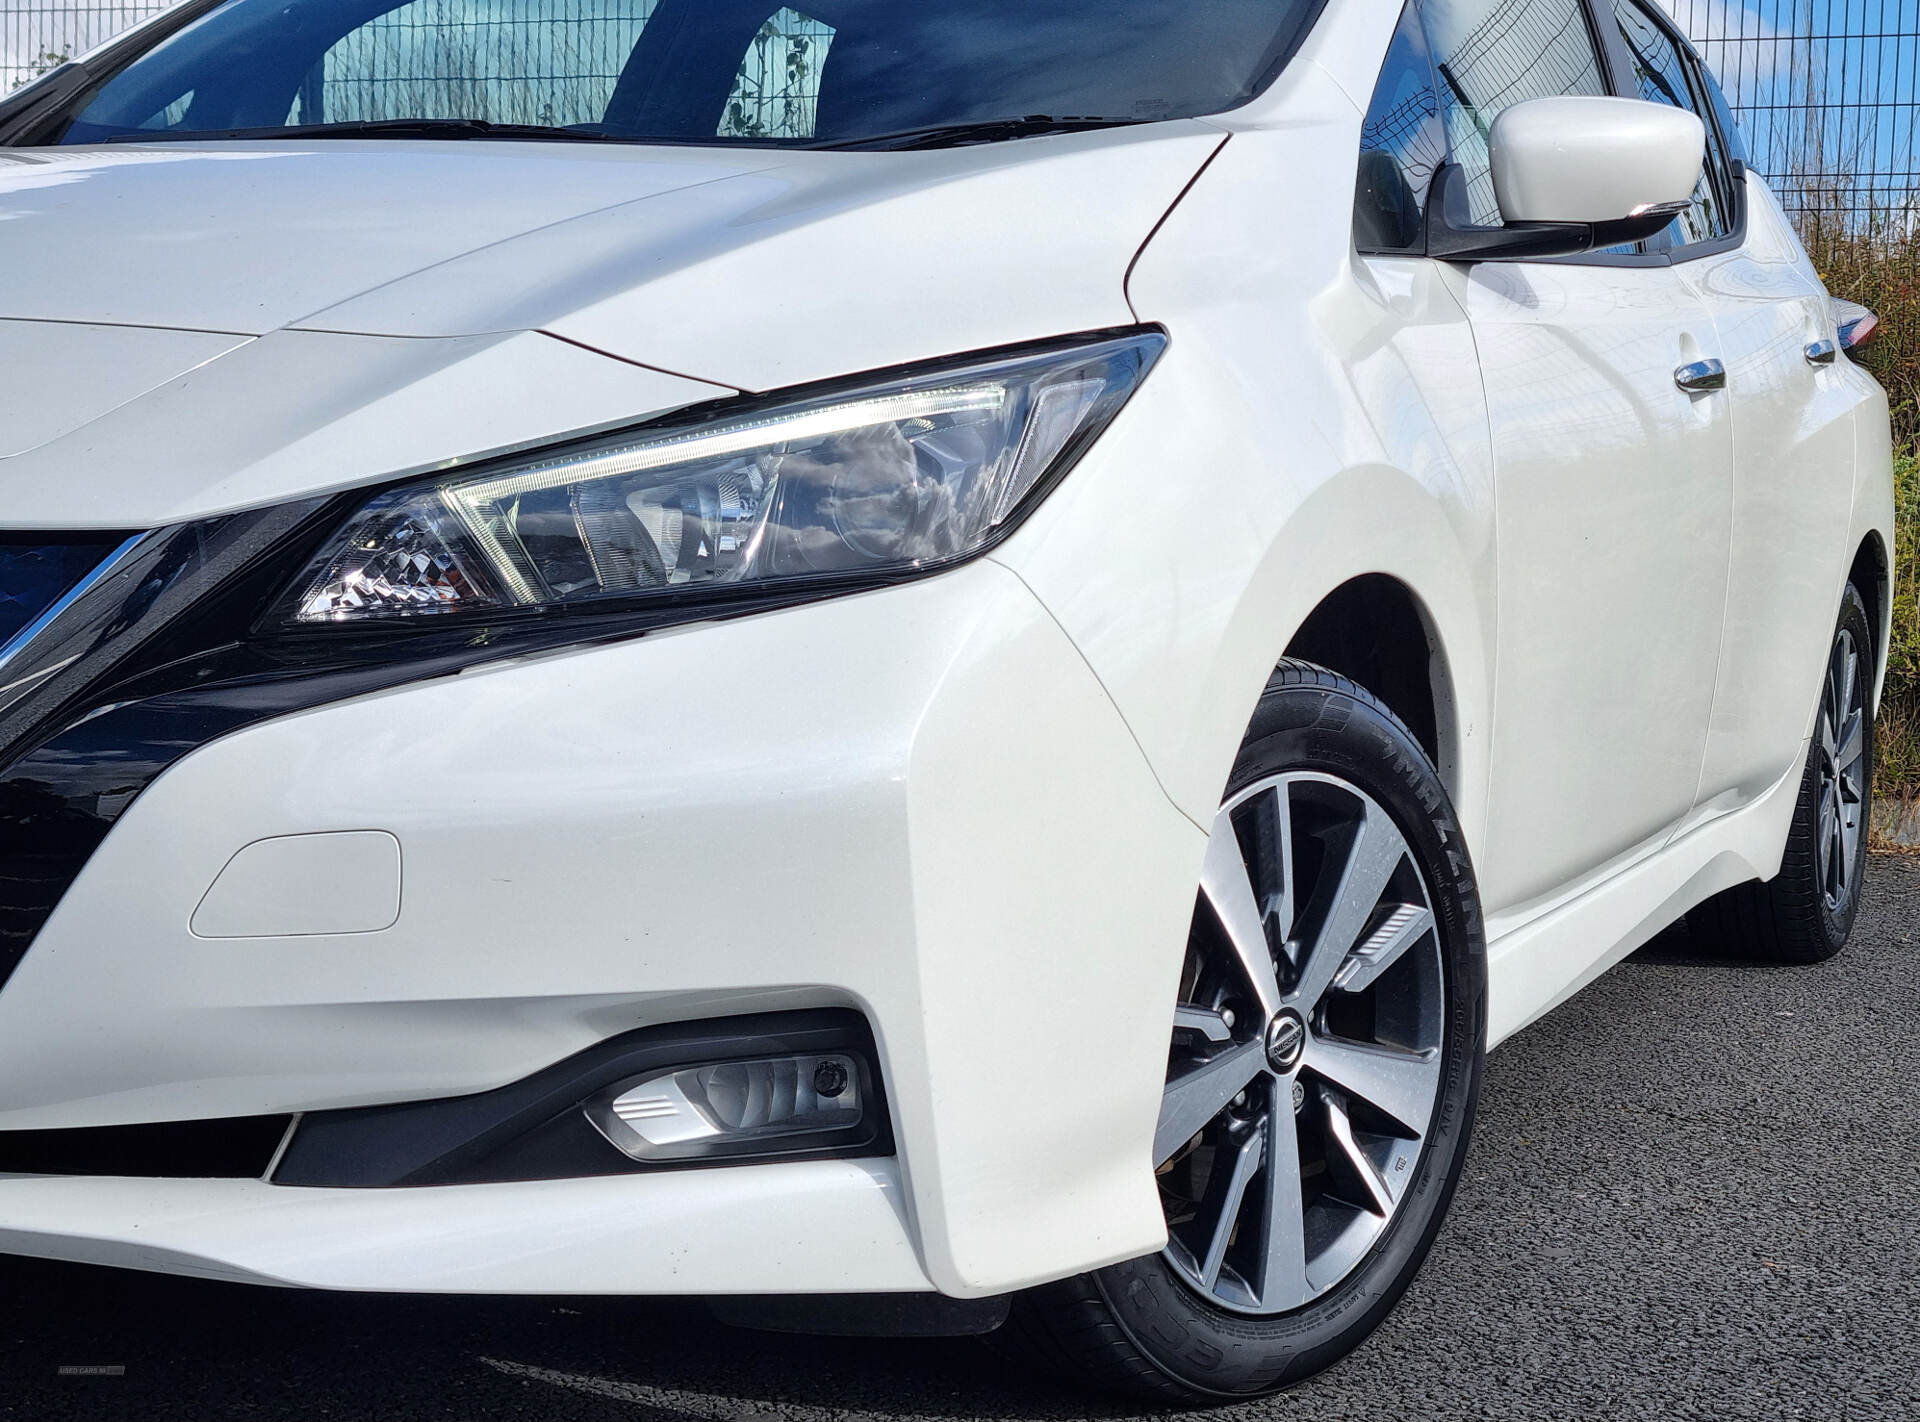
<point>102,571</point>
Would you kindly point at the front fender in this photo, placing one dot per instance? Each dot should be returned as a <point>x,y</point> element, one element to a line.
<point>1317,416</point>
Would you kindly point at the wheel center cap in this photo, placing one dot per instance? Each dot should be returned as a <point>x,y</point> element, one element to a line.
<point>1286,1039</point>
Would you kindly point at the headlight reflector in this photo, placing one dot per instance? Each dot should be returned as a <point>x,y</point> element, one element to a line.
<point>899,476</point>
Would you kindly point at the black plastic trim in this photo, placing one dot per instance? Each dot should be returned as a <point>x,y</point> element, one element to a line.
<point>534,1129</point>
<point>229,1148</point>
<point>864,1315</point>
<point>1452,238</point>
<point>45,107</point>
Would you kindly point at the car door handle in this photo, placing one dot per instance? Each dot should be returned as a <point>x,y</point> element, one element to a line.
<point>1820,353</point>
<point>1699,376</point>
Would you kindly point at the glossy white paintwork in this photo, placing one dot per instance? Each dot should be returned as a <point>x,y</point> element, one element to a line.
<point>1592,159</point>
<point>250,238</point>
<point>1793,432</point>
<point>974,806</point>
<point>834,247</point>
<point>1361,400</point>
<point>305,886</point>
<point>729,1235</point>
<point>322,411</point>
<point>1614,497</point>
<point>61,377</point>
<point>917,802</point>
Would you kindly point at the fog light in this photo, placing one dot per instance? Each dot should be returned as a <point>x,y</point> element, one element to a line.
<point>766,1106</point>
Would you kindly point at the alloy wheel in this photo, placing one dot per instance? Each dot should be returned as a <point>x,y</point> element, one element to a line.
<point>1307,1046</point>
<point>1842,757</point>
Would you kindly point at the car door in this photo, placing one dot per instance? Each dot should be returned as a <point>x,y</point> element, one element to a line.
<point>1613,497</point>
<point>1792,399</point>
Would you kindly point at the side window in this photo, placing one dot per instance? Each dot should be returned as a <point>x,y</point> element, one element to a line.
<point>1722,110</point>
<point>1402,144</point>
<point>777,92</point>
<point>1662,75</point>
<point>506,61</point>
<point>1492,54</point>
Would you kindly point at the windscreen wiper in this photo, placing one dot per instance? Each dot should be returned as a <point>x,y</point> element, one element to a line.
<point>373,128</point>
<point>946,135</point>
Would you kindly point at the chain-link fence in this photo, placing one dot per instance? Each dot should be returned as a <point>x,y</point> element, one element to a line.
<point>1827,91</point>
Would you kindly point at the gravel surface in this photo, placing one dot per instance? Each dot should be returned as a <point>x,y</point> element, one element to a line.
<point>1692,1195</point>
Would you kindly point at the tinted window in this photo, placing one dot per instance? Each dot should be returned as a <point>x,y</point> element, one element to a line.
<point>746,71</point>
<point>1402,144</point>
<point>1491,54</point>
<point>505,61</point>
<point>1736,143</point>
<point>1663,75</point>
<point>776,94</point>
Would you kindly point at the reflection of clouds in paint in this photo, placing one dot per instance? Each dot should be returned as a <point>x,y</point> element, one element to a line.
<point>27,171</point>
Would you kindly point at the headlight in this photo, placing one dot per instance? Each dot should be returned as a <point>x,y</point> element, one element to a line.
<point>903,475</point>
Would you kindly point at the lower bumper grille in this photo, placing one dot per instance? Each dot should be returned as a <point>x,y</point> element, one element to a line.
<point>223,1149</point>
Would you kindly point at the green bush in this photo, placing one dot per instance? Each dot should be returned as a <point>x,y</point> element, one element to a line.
<point>1878,265</point>
<point>1897,771</point>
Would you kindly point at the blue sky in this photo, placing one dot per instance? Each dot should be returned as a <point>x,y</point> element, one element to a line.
<point>1837,77</point>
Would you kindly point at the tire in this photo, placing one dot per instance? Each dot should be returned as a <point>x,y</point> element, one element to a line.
<point>1806,912</point>
<point>1330,785</point>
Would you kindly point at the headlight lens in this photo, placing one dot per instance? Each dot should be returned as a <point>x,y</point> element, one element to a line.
<point>903,475</point>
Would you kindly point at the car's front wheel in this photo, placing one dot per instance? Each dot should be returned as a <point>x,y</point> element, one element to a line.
<point>1325,1061</point>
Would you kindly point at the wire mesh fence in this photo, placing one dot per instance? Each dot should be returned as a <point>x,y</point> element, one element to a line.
<point>549,62</point>
<point>1828,97</point>
<point>36,38</point>
<point>552,62</point>
<point>1827,91</point>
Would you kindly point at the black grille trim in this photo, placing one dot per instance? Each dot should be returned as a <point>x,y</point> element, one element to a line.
<point>229,1148</point>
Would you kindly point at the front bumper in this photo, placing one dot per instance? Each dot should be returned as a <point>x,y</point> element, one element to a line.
<point>820,1226</point>
<point>918,803</point>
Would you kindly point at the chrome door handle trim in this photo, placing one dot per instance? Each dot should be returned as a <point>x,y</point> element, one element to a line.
<point>1700,376</point>
<point>1820,353</point>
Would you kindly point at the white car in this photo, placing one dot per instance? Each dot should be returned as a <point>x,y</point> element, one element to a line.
<point>909,663</point>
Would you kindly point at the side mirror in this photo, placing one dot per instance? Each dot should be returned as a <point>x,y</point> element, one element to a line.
<point>1573,175</point>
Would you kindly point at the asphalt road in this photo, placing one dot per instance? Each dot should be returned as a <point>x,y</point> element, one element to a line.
<point>1694,1193</point>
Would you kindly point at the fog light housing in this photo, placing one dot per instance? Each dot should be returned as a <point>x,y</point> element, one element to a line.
<point>759,1106</point>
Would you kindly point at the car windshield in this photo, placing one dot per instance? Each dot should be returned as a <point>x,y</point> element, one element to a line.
<point>836,72</point>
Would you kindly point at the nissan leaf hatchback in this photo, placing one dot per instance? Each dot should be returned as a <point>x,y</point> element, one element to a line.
<point>894,662</point>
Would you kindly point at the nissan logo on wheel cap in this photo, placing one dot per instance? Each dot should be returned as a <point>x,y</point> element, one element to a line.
<point>1286,1036</point>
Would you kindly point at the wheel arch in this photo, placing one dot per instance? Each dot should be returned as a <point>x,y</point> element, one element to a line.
<point>1379,579</point>
<point>1375,630</point>
<point>1872,573</point>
